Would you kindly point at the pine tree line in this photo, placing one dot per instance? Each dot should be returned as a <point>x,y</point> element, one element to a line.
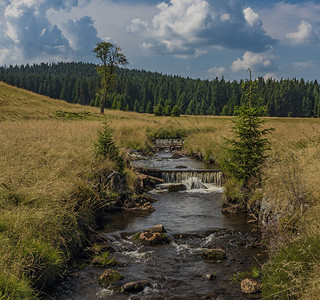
<point>150,92</point>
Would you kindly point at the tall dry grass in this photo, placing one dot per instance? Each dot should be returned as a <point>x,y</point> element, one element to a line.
<point>46,158</point>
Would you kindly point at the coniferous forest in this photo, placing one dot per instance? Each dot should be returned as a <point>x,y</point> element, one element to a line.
<point>149,92</point>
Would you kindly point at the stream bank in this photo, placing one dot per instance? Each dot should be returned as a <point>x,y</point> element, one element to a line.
<point>176,270</point>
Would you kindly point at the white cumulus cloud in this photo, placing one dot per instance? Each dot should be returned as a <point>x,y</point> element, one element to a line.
<point>216,71</point>
<point>136,25</point>
<point>304,35</point>
<point>186,28</point>
<point>251,17</point>
<point>26,34</point>
<point>254,61</point>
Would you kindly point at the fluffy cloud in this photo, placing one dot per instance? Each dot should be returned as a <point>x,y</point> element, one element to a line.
<point>27,34</point>
<point>251,17</point>
<point>255,61</point>
<point>304,35</point>
<point>217,71</point>
<point>280,19</point>
<point>82,36</point>
<point>136,25</point>
<point>185,27</point>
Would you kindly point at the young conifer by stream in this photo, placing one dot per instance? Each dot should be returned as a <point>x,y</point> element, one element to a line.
<point>246,152</point>
<point>106,147</point>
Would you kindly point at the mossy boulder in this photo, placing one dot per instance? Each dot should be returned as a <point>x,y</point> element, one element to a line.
<point>110,276</point>
<point>250,286</point>
<point>214,254</point>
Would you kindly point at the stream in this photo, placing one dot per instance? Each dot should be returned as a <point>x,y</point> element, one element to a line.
<point>194,222</point>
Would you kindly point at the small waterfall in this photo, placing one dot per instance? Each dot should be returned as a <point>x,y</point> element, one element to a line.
<point>213,177</point>
<point>194,183</point>
<point>167,143</point>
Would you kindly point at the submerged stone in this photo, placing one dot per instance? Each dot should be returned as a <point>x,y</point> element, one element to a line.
<point>135,287</point>
<point>214,254</point>
<point>176,188</point>
<point>210,276</point>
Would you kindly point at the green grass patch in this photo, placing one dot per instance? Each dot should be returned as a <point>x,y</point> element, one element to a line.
<point>286,274</point>
<point>253,273</point>
<point>13,287</point>
<point>81,115</point>
<point>168,133</point>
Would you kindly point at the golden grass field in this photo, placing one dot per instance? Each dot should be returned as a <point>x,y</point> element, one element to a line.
<point>46,153</point>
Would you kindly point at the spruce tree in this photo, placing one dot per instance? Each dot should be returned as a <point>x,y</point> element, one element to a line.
<point>106,148</point>
<point>246,152</point>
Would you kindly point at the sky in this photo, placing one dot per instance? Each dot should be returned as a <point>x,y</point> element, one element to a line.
<point>194,38</point>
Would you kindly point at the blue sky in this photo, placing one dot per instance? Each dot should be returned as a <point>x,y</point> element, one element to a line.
<point>195,38</point>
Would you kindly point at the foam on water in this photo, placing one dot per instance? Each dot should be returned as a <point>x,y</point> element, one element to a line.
<point>139,255</point>
<point>104,293</point>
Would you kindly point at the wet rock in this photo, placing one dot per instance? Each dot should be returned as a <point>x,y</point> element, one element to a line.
<point>176,188</point>
<point>158,228</point>
<point>178,154</point>
<point>139,203</point>
<point>136,286</point>
<point>250,286</point>
<point>116,183</point>
<point>210,276</point>
<point>152,238</point>
<point>110,276</point>
<point>144,182</point>
<point>214,254</point>
<point>181,167</point>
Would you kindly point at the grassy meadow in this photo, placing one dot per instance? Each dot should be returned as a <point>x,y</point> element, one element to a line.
<point>47,168</point>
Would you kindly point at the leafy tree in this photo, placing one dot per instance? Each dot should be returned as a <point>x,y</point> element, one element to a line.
<point>247,151</point>
<point>110,57</point>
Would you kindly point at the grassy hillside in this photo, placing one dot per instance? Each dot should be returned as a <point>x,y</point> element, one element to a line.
<point>47,167</point>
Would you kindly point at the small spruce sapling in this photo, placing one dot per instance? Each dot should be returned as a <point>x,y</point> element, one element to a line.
<point>106,146</point>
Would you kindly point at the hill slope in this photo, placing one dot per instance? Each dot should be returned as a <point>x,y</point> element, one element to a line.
<point>142,91</point>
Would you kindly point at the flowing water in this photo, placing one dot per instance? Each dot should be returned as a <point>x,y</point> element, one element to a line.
<point>194,221</point>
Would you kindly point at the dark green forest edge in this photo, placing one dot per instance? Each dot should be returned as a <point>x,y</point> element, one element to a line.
<point>149,92</point>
